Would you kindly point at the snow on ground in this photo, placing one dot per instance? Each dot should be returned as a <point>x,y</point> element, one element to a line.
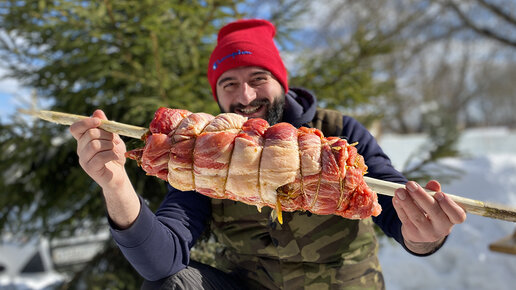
<point>465,261</point>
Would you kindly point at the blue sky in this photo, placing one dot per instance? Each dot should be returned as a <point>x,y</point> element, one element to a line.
<point>11,95</point>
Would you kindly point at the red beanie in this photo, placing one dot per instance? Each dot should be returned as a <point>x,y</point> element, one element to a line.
<point>246,43</point>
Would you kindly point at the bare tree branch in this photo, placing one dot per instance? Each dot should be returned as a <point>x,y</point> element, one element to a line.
<point>480,30</point>
<point>498,11</point>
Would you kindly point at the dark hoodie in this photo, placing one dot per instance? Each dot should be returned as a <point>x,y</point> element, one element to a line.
<point>300,109</point>
<point>158,245</point>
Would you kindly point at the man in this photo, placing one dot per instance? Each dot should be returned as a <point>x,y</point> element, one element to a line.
<point>247,77</point>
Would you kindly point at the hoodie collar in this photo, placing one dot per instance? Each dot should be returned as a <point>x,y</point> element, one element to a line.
<point>300,107</point>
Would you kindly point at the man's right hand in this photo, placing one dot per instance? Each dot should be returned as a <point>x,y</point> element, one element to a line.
<point>102,156</point>
<point>101,153</point>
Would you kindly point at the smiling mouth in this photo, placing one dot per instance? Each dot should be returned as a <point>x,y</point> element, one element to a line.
<point>248,110</point>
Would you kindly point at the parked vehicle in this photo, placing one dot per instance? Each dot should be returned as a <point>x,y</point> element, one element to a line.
<point>28,265</point>
<point>37,263</point>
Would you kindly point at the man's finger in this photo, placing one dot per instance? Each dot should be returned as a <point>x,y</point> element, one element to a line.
<point>402,215</point>
<point>399,209</point>
<point>455,213</point>
<point>413,211</point>
<point>95,146</point>
<point>94,134</point>
<point>433,185</point>
<point>79,128</point>
<point>426,202</point>
<point>98,161</point>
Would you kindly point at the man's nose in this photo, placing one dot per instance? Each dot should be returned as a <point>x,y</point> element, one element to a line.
<point>247,94</point>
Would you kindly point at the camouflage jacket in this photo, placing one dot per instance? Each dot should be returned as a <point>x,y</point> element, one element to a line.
<point>307,251</point>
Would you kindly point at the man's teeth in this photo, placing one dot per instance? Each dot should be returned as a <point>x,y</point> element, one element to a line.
<point>249,110</point>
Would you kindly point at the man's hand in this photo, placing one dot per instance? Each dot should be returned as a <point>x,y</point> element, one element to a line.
<point>426,220</point>
<point>102,156</point>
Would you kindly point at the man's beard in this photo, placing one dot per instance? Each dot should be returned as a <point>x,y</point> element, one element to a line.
<point>274,112</point>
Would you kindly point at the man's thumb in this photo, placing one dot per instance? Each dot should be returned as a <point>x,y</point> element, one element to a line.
<point>99,114</point>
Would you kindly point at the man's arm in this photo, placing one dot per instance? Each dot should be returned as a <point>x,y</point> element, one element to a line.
<point>156,245</point>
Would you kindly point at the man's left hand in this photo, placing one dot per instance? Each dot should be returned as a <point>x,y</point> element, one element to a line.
<point>426,220</point>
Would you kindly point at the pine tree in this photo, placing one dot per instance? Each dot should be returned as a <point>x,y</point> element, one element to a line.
<point>125,57</point>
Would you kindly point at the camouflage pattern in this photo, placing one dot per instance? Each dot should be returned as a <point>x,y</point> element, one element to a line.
<point>305,252</point>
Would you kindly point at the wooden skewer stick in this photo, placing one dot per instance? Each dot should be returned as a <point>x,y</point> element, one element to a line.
<point>476,207</point>
<point>487,209</point>
<point>68,119</point>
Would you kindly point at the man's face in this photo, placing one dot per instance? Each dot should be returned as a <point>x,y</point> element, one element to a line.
<point>252,92</point>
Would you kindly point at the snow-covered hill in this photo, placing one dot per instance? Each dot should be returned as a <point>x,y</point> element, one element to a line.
<point>465,262</point>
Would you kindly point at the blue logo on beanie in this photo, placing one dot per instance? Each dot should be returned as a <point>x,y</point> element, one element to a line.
<point>233,55</point>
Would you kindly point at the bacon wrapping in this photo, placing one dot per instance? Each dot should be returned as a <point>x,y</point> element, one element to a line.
<point>230,156</point>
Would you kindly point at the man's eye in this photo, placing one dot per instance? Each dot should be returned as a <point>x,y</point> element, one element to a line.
<point>229,85</point>
<point>259,80</point>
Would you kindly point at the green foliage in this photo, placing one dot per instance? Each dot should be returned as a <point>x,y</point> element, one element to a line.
<point>342,76</point>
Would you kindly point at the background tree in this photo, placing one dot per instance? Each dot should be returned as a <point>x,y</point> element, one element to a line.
<point>431,67</point>
<point>464,44</point>
<point>501,28</point>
